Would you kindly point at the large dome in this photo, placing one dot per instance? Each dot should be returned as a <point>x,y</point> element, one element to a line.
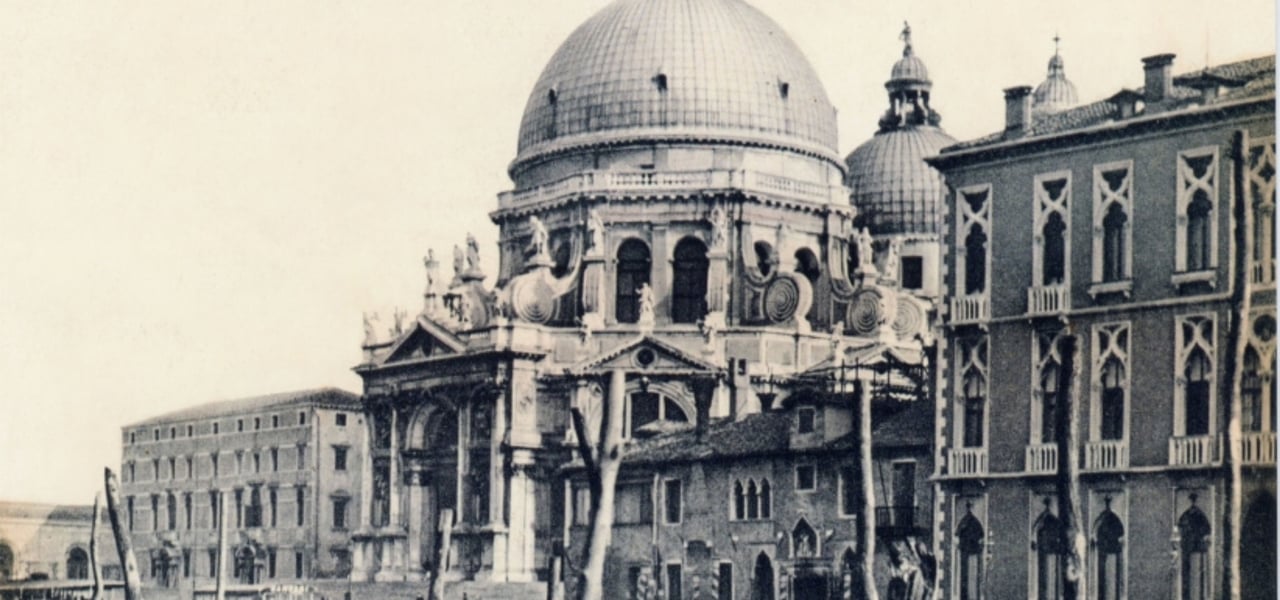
<point>678,70</point>
<point>894,190</point>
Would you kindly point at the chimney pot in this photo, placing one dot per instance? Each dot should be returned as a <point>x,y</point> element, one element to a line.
<point>1158,77</point>
<point>1017,108</point>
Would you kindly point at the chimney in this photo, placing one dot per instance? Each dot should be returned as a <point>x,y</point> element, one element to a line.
<point>1158,72</point>
<point>1017,109</point>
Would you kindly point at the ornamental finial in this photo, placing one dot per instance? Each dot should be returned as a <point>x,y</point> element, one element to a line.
<point>906,38</point>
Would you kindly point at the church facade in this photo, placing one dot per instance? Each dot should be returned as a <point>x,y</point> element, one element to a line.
<point>679,244</point>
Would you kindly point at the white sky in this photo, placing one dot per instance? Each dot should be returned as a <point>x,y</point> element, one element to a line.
<point>198,199</point>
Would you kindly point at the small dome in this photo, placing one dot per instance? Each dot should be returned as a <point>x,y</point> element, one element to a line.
<point>700,70</point>
<point>909,67</point>
<point>1056,92</point>
<point>892,187</point>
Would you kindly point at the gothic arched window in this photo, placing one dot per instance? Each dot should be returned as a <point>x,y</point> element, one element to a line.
<point>753,500</point>
<point>974,406</point>
<point>969,538</point>
<point>1113,398</point>
<point>1049,375</point>
<point>1053,270</point>
<point>1113,243</point>
<point>975,261</point>
<point>1251,391</point>
<point>1108,559</point>
<point>77,564</point>
<point>766,499</point>
<point>689,281</point>
<point>1199,239</point>
<point>739,501</point>
<point>633,270</point>
<point>1051,556</point>
<point>1198,372</point>
<point>1193,531</point>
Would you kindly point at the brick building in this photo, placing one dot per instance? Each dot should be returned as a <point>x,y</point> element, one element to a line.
<point>288,467</point>
<point>1138,231</point>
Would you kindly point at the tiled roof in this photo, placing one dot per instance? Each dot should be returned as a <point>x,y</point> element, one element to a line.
<point>1257,75</point>
<point>328,397</point>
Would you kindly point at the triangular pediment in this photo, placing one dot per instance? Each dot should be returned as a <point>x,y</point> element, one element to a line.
<point>426,339</point>
<point>646,355</point>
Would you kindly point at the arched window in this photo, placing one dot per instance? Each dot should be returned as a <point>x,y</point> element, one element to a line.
<point>442,430</point>
<point>974,406</point>
<point>245,569</point>
<point>1051,556</point>
<point>560,259</point>
<point>1108,559</point>
<point>762,587</point>
<point>1193,533</point>
<point>1113,398</point>
<point>975,261</point>
<point>764,257</point>
<point>77,564</point>
<point>1053,270</point>
<point>1049,375</point>
<point>689,281</point>
<point>6,562</point>
<point>1198,373</point>
<point>634,265</point>
<point>739,501</point>
<point>807,264</point>
<point>647,407</point>
<point>1251,391</point>
<point>1198,234</point>
<point>1113,243</point>
<point>969,546</point>
<point>766,499</point>
<point>753,500</point>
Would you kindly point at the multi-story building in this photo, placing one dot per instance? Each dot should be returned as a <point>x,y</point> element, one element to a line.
<point>285,465</point>
<point>768,506</point>
<point>1109,363</point>
<point>51,542</point>
<point>679,239</point>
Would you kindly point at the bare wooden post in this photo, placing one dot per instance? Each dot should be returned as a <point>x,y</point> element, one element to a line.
<point>219,585</point>
<point>94,564</point>
<point>867,522</point>
<point>1237,341</point>
<point>124,545</point>
<point>442,554</point>
<point>1068,479</point>
<point>608,462</point>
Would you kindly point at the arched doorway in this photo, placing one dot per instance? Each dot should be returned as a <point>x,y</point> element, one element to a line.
<point>633,267</point>
<point>245,566</point>
<point>77,564</point>
<point>1258,550</point>
<point>762,587</point>
<point>436,451</point>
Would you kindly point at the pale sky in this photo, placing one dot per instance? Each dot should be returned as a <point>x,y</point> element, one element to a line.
<point>198,199</point>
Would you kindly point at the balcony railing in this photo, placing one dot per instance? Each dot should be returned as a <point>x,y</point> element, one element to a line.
<point>970,309</point>
<point>967,461</point>
<point>1106,455</point>
<point>1042,458</point>
<point>606,181</point>
<point>1193,450</point>
<point>1258,448</point>
<point>1048,299</point>
<point>1262,272</point>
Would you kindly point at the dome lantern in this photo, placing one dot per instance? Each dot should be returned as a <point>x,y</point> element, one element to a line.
<point>1056,92</point>
<point>909,88</point>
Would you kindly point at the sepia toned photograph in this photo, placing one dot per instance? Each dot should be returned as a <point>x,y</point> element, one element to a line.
<point>638,300</point>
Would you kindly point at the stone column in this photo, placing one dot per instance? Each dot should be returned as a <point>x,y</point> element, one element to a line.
<point>395,487</point>
<point>660,273</point>
<point>521,529</point>
<point>366,476</point>
<point>415,485</point>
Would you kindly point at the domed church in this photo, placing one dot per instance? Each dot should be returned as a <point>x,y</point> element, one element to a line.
<point>679,244</point>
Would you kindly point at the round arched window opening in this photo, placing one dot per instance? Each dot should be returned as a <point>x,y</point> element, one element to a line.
<point>764,257</point>
<point>807,264</point>
<point>645,357</point>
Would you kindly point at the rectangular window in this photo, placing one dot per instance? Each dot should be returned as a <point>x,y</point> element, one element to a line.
<point>581,506</point>
<point>129,504</point>
<point>191,467</point>
<point>155,512</point>
<point>339,513</point>
<point>213,562</point>
<point>725,577</point>
<point>674,582</point>
<point>213,510</point>
<point>339,458</point>
<point>239,425</point>
<point>297,564</point>
<point>302,454</point>
<point>302,418</point>
<point>239,508</point>
<point>133,438</point>
<point>672,501</point>
<point>340,419</point>
<point>186,509</point>
<point>155,469</point>
<point>634,504</point>
<point>173,433</point>
<point>271,563</point>
<point>806,478</point>
<point>275,421</point>
<point>215,429</point>
<point>257,423</point>
<point>190,431</point>
<point>302,505</point>
<point>849,492</point>
<point>805,416</point>
<point>273,499</point>
<point>173,468</point>
<point>156,434</point>
<point>275,460</point>
<point>257,462</point>
<point>213,460</point>
<point>912,272</point>
<point>186,562</point>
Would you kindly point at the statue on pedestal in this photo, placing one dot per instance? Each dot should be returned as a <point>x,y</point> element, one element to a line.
<point>595,230</point>
<point>719,228</point>
<point>537,237</point>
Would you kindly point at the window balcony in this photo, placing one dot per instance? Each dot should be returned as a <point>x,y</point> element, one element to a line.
<point>1258,448</point>
<point>967,461</point>
<point>1193,451</point>
<point>1048,299</point>
<point>1042,459</point>
<point>1106,455</point>
<point>974,308</point>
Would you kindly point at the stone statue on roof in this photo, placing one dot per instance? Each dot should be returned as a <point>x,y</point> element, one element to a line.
<point>537,237</point>
<point>473,254</point>
<point>719,227</point>
<point>459,261</point>
<point>866,251</point>
<point>370,336</point>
